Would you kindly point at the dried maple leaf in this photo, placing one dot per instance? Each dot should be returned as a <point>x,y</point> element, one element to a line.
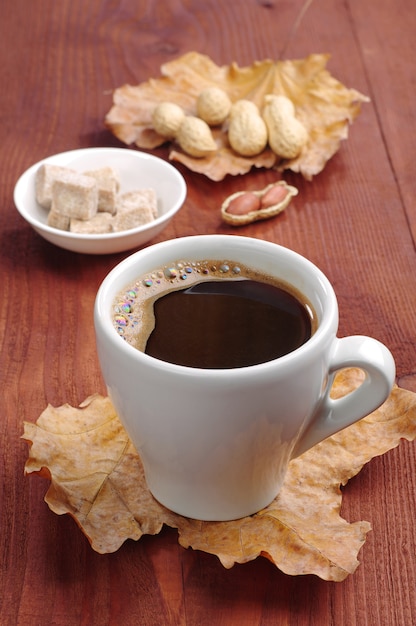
<point>97,477</point>
<point>323,104</point>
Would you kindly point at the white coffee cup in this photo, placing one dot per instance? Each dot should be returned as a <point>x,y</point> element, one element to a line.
<point>215,444</point>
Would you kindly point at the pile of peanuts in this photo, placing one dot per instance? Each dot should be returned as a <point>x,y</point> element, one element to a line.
<point>249,129</point>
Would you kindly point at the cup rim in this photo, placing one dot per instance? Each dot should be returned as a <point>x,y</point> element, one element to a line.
<point>107,291</point>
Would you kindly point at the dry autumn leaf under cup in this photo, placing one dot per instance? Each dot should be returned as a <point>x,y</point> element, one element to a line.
<point>324,106</point>
<point>97,477</point>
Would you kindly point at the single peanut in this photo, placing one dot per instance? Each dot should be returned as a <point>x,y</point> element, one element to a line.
<point>244,204</point>
<point>247,132</point>
<point>213,106</point>
<point>167,118</point>
<point>287,135</point>
<point>274,196</point>
<point>195,138</point>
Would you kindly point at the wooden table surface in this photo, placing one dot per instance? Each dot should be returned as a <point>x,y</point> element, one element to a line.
<point>60,62</point>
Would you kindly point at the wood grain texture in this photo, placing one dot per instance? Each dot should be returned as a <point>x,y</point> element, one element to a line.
<point>356,220</point>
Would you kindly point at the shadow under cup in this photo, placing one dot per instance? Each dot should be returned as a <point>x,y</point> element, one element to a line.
<point>215,443</point>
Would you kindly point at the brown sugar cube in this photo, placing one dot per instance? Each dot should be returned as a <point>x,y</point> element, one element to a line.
<point>135,208</point>
<point>44,178</point>
<point>108,186</point>
<point>75,195</point>
<point>56,220</point>
<point>97,225</point>
<point>148,197</point>
<point>140,198</point>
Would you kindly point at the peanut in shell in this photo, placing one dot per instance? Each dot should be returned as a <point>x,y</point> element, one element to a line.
<point>240,208</point>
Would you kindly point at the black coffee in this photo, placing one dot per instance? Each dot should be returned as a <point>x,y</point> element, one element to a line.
<point>227,324</point>
<point>212,315</point>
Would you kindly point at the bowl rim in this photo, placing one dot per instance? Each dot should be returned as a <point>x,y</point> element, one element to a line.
<point>135,154</point>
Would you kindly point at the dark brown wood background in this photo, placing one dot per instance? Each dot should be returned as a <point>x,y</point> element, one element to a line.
<point>60,61</point>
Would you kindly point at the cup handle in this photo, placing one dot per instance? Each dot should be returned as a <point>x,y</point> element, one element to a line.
<point>333,415</point>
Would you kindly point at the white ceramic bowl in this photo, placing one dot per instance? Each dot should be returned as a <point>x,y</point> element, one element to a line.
<point>136,170</point>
